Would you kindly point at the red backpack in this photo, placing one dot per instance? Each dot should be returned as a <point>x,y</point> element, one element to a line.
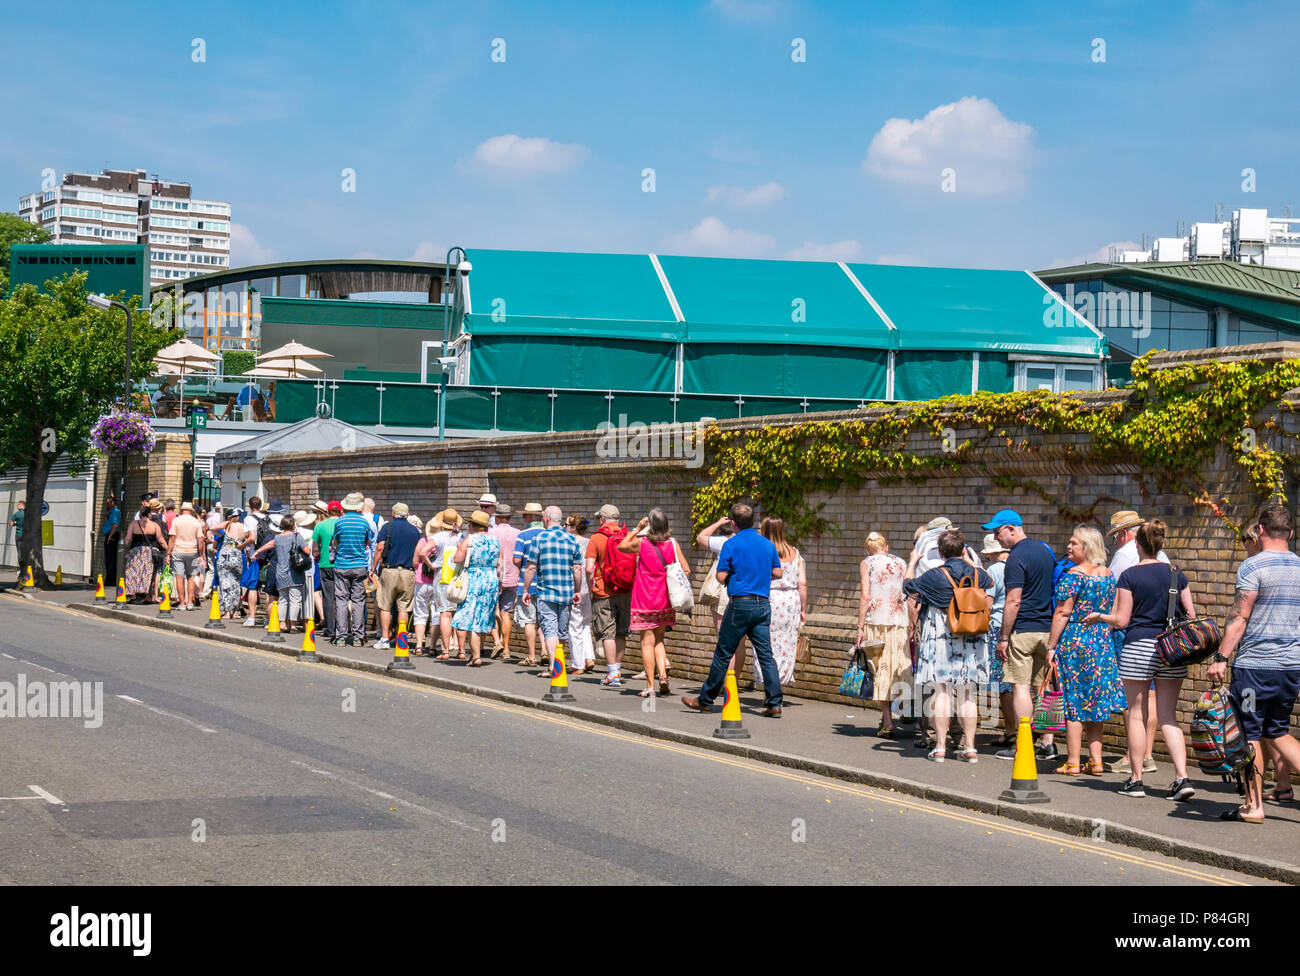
<point>617,568</point>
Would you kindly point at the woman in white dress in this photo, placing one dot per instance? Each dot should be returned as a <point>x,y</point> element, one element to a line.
<point>788,600</point>
<point>580,645</point>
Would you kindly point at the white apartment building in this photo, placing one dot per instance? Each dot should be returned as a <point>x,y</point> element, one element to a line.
<point>186,236</point>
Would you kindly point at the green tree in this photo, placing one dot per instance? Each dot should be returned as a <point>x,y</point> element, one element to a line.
<point>63,366</point>
<point>15,230</point>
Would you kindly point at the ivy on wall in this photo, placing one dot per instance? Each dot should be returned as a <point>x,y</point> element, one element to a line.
<point>1170,425</point>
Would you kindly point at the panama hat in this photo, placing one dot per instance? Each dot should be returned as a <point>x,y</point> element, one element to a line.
<point>480,518</point>
<point>353,502</point>
<point>992,546</point>
<point>533,508</point>
<point>1124,520</point>
<point>303,519</point>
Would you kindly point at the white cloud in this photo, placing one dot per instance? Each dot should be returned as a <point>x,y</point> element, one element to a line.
<point>712,238</point>
<point>847,250</point>
<point>1099,256</point>
<point>911,260</point>
<point>245,250</point>
<point>747,9</point>
<point>514,154</point>
<point>735,196</point>
<point>429,253</point>
<point>988,152</point>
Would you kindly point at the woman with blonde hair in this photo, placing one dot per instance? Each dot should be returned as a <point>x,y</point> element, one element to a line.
<point>788,600</point>
<point>1080,648</point>
<point>427,572</point>
<point>882,616</point>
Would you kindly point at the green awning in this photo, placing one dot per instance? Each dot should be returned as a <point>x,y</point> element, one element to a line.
<point>732,300</point>
<point>977,310</point>
<point>552,293</point>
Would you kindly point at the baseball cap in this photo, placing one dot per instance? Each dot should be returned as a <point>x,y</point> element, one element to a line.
<point>1008,516</point>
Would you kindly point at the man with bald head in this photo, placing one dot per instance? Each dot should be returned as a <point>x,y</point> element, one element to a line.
<point>555,559</point>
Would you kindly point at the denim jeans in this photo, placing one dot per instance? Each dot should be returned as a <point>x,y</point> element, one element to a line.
<point>350,589</point>
<point>744,618</point>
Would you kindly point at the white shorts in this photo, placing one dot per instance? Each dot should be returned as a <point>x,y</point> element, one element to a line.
<point>426,595</point>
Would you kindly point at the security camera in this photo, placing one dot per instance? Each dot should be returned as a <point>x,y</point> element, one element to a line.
<point>464,267</point>
<point>446,360</point>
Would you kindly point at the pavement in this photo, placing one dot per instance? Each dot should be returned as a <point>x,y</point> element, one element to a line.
<point>830,745</point>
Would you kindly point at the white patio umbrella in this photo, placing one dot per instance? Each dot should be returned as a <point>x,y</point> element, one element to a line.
<point>294,350</point>
<point>185,362</point>
<point>184,349</point>
<point>285,370</point>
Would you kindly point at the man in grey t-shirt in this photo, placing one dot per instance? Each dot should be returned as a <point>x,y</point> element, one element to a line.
<point>1262,640</point>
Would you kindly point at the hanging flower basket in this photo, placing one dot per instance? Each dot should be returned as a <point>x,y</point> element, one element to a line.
<point>123,433</point>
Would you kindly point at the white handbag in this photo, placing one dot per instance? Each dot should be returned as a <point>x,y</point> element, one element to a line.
<point>680,594</point>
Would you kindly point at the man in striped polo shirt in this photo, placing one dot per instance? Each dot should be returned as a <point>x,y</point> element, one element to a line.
<point>351,549</point>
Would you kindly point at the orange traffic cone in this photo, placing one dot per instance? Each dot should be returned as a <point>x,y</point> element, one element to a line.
<point>308,651</point>
<point>99,588</point>
<point>119,602</point>
<point>559,691</point>
<point>1024,771</point>
<point>273,623</point>
<point>214,615</point>
<point>733,726</point>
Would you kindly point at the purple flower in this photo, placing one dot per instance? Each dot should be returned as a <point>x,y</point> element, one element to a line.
<point>123,433</point>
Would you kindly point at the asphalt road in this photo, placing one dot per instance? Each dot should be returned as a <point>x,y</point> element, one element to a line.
<point>216,765</point>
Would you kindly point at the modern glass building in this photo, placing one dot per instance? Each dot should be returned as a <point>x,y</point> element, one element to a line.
<point>1182,305</point>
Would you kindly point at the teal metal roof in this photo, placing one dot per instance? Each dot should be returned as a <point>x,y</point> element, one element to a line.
<point>975,310</point>
<point>760,301</point>
<point>543,292</point>
<point>801,302</point>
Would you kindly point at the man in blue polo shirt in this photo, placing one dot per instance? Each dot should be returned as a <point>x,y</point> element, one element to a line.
<point>746,566</point>
<point>351,550</point>
<point>1026,618</point>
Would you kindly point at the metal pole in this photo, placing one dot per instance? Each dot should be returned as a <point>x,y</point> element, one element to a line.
<point>448,272</point>
<point>126,407</point>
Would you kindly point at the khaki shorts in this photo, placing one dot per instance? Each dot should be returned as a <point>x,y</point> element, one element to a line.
<point>396,584</point>
<point>1027,660</point>
<point>611,616</point>
<point>893,677</point>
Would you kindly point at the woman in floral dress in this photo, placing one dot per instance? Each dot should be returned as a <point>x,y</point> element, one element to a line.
<point>230,568</point>
<point>787,600</point>
<point>953,664</point>
<point>1083,652</point>
<point>882,616</point>
<point>479,553</point>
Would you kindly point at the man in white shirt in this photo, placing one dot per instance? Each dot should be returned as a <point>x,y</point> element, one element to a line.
<point>1123,527</point>
<point>373,517</point>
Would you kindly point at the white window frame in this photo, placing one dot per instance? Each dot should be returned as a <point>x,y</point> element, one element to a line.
<point>1059,366</point>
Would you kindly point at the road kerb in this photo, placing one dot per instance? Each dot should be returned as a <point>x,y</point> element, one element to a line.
<point>1069,824</point>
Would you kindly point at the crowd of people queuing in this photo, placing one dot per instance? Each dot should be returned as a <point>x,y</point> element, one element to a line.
<point>1086,622</point>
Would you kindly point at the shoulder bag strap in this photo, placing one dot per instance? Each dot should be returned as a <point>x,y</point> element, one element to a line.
<point>661,555</point>
<point>1173,595</point>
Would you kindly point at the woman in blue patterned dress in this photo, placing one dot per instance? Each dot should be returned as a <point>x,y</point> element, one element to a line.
<point>479,553</point>
<point>952,664</point>
<point>1083,652</point>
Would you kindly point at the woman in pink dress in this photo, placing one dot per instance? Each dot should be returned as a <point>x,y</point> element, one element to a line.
<point>652,612</point>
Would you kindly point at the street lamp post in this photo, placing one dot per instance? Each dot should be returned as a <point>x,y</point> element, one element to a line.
<point>462,268</point>
<point>104,302</point>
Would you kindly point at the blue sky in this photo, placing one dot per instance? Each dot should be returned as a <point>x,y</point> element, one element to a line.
<point>755,154</point>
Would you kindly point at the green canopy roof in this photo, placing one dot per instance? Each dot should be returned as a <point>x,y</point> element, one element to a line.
<point>799,303</point>
<point>553,293</point>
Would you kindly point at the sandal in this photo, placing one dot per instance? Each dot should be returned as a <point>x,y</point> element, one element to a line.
<point>476,663</point>
<point>969,756</point>
<point>1281,796</point>
<point>498,651</point>
<point>935,755</point>
<point>609,679</point>
<point>647,693</point>
<point>1069,769</point>
<point>886,733</point>
<point>462,656</point>
<point>663,687</point>
<point>1094,767</point>
<point>1235,814</point>
<point>444,656</point>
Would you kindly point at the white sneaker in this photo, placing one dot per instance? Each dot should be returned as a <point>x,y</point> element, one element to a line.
<point>250,622</point>
<point>382,645</point>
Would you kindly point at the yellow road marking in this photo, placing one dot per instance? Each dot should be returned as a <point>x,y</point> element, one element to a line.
<point>898,800</point>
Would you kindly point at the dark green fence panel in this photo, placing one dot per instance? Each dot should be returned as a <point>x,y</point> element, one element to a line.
<point>643,408</point>
<point>411,406</point>
<point>355,404</point>
<point>692,408</point>
<point>520,410</point>
<point>469,408</point>
<point>580,411</point>
<point>294,401</point>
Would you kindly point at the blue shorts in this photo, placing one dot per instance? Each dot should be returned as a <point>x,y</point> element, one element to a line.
<point>1264,698</point>
<point>553,618</point>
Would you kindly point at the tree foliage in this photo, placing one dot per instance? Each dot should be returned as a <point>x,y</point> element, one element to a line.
<point>63,366</point>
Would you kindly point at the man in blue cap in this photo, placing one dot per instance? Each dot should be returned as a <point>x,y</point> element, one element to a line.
<point>1026,618</point>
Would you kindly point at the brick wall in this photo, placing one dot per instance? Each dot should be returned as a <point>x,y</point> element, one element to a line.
<point>161,471</point>
<point>564,469</point>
